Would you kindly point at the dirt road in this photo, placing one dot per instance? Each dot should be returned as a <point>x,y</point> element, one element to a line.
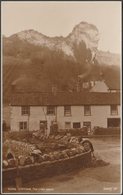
<point>90,180</point>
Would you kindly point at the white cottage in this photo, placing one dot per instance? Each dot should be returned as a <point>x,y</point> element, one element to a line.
<point>102,86</point>
<point>69,110</point>
<point>99,86</point>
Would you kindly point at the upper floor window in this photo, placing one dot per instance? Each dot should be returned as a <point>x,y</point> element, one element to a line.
<point>67,110</point>
<point>87,110</point>
<point>23,125</point>
<point>114,110</point>
<point>50,110</point>
<point>25,110</point>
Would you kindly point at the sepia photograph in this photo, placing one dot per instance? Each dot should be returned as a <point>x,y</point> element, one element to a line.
<point>61,109</point>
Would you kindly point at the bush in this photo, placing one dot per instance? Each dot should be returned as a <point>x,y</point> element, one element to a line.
<point>20,135</point>
<point>74,132</point>
<point>5,127</point>
<point>106,131</point>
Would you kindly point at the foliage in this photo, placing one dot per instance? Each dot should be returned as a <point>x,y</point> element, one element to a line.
<point>106,131</point>
<point>52,66</point>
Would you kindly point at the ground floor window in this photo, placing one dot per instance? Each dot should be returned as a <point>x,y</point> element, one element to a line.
<point>23,125</point>
<point>76,125</point>
<point>113,122</point>
<point>67,125</point>
<point>87,124</point>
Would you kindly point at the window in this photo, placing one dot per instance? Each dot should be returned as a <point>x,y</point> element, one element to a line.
<point>114,110</point>
<point>87,110</point>
<point>23,125</point>
<point>67,110</point>
<point>25,110</point>
<point>76,125</point>
<point>67,125</point>
<point>50,110</point>
<point>113,122</point>
<point>87,124</point>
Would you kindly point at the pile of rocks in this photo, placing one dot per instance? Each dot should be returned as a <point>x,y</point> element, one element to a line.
<point>17,147</point>
<point>24,154</point>
<point>16,152</point>
<point>54,147</point>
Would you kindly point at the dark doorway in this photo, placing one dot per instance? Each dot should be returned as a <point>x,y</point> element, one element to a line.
<point>76,125</point>
<point>43,126</point>
<point>113,122</point>
<point>87,124</point>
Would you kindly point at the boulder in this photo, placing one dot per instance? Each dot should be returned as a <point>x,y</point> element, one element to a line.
<point>74,151</point>
<point>52,158</point>
<point>46,157</point>
<point>29,160</point>
<point>36,151</point>
<point>5,164</point>
<point>74,140</point>
<point>80,149</point>
<point>70,152</point>
<point>21,160</point>
<point>65,139</point>
<point>56,155</point>
<point>11,163</point>
<point>64,154</point>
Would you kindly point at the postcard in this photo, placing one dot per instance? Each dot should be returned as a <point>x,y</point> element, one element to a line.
<point>61,97</point>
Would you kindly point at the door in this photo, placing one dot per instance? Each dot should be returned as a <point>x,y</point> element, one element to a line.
<point>113,122</point>
<point>87,124</point>
<point>43,126</point>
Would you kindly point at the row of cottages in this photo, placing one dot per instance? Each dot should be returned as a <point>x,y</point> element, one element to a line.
<point>69,110</point>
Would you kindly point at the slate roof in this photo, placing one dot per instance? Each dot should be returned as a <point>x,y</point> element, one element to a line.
<point>62,99</point>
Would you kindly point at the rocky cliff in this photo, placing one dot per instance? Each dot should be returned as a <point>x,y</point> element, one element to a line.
<point>82,32</point>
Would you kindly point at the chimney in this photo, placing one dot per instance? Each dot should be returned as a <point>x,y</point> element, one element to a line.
<point>54,89</point>
<point>13,88</point>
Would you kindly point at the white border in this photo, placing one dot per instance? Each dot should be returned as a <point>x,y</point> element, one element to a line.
<point>2,2</point>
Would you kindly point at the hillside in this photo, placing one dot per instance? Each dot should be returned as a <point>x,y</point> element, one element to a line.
<point>108,58</point>
<point>33,61</point>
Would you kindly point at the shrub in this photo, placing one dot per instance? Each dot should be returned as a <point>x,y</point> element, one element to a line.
<point>20,136</point>
<point>74,132</point>
<point>106,131</point>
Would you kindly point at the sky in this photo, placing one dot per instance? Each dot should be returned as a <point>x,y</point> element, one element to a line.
<point>59,18</point>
